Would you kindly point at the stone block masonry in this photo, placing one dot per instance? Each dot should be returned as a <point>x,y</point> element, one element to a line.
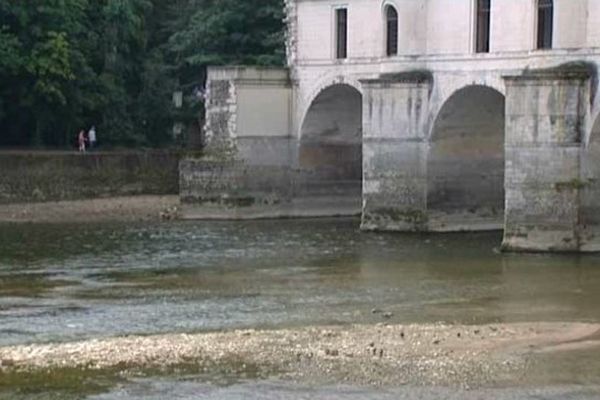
<point>255,168</point>
<point>395,151</point>
<point>435,138</point>
<point>29,176</point>
<point>546,113</point>
<point>434,154</point>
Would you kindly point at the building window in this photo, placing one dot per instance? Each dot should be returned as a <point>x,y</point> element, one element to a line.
<point>545,24</point>
<point>482,40</point>
<point>391,17</point>
<point>341,35</point>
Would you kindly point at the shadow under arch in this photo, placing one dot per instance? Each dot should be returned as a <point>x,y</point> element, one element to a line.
<point>465,171</point>
<point>330,149</point>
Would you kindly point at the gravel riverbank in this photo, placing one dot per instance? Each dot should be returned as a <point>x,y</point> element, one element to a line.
<point>390,355</point>
<point>130,208</point>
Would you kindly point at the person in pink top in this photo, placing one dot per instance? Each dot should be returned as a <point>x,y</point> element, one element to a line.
<point>81,141</point>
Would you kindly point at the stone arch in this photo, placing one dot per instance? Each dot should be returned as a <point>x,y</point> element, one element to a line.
<point>387,3</point>
<point>330,146</point>
<point>445,88</point>
<point>466,161</point>
<point>323,84</point>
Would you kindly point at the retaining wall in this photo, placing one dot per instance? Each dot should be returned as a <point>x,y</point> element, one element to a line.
<point>55,176</point>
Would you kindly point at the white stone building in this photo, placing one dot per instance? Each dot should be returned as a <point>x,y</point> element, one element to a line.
<point>427,115</point>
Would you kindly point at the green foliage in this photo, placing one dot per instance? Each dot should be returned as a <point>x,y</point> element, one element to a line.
<point>50,66</point>
<point>231,32</point>
<point>69,64</point>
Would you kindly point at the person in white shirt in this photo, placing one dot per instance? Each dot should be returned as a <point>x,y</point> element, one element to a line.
<point>92,137</point>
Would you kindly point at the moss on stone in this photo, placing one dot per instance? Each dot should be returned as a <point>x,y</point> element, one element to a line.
<point>48,176</point>
<point>573,184</point>
<point>575,69</point>
<point>413,217</point>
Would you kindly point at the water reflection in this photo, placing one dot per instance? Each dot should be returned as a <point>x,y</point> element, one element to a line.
<point>160,389</point>
<point>79,281</point>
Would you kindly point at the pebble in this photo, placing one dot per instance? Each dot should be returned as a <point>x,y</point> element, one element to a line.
<point>299,353</point>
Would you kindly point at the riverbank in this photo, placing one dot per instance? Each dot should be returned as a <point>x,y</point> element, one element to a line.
<point>125,208</point>
<point>371,355</point>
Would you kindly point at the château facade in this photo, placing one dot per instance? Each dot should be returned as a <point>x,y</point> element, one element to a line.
<point>419,115</point>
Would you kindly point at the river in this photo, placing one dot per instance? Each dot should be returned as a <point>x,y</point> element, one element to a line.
<point>63,283</point>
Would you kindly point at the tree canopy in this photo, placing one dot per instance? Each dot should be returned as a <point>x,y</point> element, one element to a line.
<point>68,64</point>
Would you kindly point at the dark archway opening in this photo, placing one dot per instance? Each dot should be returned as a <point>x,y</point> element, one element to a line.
<point>330,154</point>
<point>466,162</point>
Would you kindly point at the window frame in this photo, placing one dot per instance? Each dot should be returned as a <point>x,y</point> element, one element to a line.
<point>539,42</point>
<point>336,33</point>
<point>481,46</point>
<point>391,51</point>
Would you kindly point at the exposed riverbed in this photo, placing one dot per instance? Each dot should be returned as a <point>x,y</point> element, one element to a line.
<point>84,282</point>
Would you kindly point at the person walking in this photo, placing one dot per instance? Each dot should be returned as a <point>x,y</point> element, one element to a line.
<point>81,141</point>
<point>92,137</point>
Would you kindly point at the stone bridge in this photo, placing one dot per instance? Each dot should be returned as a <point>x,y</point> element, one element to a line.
<point>434,142</point>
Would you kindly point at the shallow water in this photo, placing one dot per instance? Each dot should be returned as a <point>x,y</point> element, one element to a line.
<point>190,390</point>
<point>69,282</point>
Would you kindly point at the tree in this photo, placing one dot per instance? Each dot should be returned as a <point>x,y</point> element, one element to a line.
<point>68,64</point>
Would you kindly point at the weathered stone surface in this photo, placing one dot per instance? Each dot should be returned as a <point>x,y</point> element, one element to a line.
<point>446,142</point>
<point>465,166</point>
<point>395,186</point>
<point>395,152</point>
<point>56,176</point>
<point>543,167</point>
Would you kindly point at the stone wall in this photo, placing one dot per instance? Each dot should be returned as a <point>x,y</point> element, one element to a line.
<point>237,190</point>
<point>434,27</point>
<point>255,168</point>
<point>231,185</point>
<point>56,176</point>
<point>246,167</point>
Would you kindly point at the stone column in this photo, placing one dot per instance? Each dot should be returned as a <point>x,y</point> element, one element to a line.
<point>395,110</point>
<point>546,111</point>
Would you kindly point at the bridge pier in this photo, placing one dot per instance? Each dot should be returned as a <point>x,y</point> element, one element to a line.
<point>546,113</point>
<point>395,116</point>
